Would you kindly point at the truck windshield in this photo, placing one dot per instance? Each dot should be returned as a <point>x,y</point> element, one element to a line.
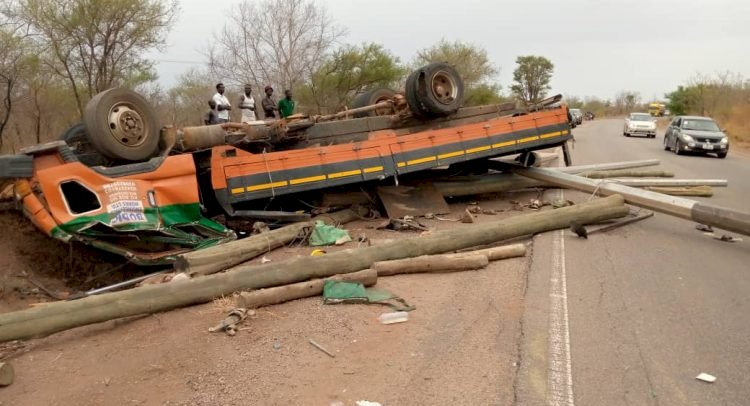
<point>700,125</point>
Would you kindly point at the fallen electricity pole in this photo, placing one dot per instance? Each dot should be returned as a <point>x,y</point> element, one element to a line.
<point>59,316</point>
<point>715,216</point>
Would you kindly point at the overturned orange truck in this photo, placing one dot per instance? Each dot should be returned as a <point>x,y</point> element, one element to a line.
<point>121,182</point>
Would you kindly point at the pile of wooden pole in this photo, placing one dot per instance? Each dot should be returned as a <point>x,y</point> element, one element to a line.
<point>59,316</point>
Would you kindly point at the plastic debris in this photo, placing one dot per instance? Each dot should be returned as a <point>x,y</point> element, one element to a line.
<point>317,252</point>
<point>706,377</point>
<point>393,317</point>
<point>704,227</point>
<point>367,403</point>
<point>324,234</point>
<point>264,260</point>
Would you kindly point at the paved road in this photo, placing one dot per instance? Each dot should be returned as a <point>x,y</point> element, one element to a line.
<point>650,305</point>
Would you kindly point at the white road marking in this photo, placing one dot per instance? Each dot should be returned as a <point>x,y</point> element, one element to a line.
<point>560,369</point>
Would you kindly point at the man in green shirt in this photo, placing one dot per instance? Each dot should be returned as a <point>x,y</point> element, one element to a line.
<point>286,105</point>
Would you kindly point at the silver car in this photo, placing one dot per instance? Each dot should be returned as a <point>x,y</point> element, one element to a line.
<point>696,134</point>
<point>639,124</point>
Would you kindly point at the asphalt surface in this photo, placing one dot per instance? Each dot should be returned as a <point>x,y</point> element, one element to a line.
<point>653,304</point>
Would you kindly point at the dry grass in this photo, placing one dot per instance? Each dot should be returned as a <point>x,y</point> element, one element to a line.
<point>738,123</point>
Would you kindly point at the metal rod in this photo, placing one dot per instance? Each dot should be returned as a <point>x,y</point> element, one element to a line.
<point>665,182</point>
<point>720,217</point>
<point>119,285</point>
<point>365,109</point>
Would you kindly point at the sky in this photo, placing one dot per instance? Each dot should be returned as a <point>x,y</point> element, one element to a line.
<point>598,47</point>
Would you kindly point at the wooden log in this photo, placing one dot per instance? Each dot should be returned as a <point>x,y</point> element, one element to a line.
<point>431,263</point>
<point>59,316</point>
<point>281,294</point>
<point>7,375</point>
<point>701,191</point>
<point>496,253</point>
<point>626,173</point>
<point>221,257</point>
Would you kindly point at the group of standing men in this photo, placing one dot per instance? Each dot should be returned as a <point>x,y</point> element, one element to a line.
<point>219,106</point>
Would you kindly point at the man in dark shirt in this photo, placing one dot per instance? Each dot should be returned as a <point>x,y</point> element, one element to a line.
<point>211,117</point>
<point>286,105</point>
<point>269,104</point>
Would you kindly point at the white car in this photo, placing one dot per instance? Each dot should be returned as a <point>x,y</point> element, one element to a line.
<point>640,124</point>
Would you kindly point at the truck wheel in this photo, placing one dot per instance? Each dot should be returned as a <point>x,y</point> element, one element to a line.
<point>434,90</point>
<point>374,96</point>
<point>78,141</point>
<point>122,125</point>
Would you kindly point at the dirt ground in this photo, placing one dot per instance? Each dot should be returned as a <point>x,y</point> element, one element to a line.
<point>460,345</point>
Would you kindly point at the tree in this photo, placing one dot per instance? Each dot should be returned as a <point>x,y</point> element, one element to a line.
<point>471,61</point>
<point>348,71</point>
<point>474,66</point>
<point>626,101</point>
<point>188,99</point>
<point>532,77</point>
<point>15,60</point>
<point>276,42</point>
<point>97,44</point>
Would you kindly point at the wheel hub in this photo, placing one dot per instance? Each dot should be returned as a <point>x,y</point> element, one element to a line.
<point>444,87</point>
<point>126,126</point>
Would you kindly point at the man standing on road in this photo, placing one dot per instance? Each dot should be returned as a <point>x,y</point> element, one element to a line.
<point>247,105</point>
<point>222,104</point>
<point>269,105</point>
<point>211,118</point>
<point>286,105</point>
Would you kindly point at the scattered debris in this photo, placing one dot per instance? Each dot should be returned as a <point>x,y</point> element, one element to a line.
<point>229,324</point>
<point>7,375</point>
<point>704,227</point>
<point>393,317</point>
<point>317,252</point>
<point>517,206</point>
<point>400,201</point>
<point>489,212</point>
<point>367,403</point>
<point>474,209</point>
<point>320,347</point>
<point>579,229</point>
<point>558,203</point>
<point>634,217</point>
<point>467,217</point>
<point>405,224</point>
<point>728,238</point>
<point>264,260</point>
<point>706,377</point>
<point>324,234</point>
<point>260,227</point>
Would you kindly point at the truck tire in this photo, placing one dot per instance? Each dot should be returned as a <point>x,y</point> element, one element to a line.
<point>122,125</point>
<point>78,141</point>
<point>373,96</point>
<point>434,90</point>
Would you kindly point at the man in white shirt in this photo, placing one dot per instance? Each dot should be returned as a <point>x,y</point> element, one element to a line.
<point>247,105</point>
<point>222,104</point>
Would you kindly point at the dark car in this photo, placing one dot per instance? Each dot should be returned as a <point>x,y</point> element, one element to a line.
<point>696,134</point>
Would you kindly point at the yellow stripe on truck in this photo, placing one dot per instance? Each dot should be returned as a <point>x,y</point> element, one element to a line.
<point>264,186</point>
<point>344,174</point>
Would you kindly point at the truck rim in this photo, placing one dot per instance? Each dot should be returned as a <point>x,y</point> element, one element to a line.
<point>126,125</point>
<point>444,87</point>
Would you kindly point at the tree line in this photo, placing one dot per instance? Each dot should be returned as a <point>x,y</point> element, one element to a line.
<point>58,54</point>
